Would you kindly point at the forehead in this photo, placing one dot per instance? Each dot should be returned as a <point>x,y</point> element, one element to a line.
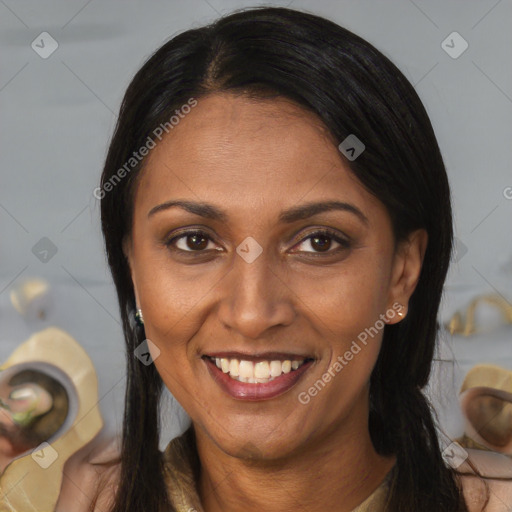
<point>233,150</point>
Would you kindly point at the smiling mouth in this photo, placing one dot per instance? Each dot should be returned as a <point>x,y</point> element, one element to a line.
<point>256,372</point>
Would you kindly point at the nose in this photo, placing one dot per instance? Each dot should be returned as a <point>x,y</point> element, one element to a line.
<point>255,298</point>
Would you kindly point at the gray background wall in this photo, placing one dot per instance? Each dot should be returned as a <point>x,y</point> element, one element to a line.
<point>58,113</point>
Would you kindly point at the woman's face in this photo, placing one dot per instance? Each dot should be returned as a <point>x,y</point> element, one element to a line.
<point>259,288</point>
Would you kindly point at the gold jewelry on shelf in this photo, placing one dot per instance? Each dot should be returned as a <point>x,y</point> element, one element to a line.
<point>466,327</point>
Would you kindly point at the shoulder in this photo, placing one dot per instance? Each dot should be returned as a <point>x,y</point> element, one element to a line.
<point>92,472</point>
<point>492,491</point>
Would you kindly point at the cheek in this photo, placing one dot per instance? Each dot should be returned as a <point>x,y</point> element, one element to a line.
<point>345,308</point>
<point>347,300</point>
<point>179,380</point>
<point>172,295</point>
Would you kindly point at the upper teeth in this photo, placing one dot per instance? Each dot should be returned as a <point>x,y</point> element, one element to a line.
<point>259,372</point>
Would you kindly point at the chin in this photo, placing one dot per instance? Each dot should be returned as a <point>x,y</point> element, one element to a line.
<point>266,438</point>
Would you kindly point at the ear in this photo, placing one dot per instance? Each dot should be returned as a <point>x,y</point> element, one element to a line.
<point>406,269</point>
<point>128,251</point>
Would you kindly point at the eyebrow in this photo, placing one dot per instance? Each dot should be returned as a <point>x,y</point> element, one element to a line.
<point>288,216</point>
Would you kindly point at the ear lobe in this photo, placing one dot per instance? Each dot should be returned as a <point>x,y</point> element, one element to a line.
<point>407,269</point>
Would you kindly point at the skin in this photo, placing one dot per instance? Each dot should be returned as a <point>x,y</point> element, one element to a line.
<point>253,159</point>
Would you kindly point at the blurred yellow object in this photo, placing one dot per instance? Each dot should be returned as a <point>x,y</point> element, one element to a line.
<point>486,402</point>
<point>32,298</point>
<point>33,480</point>
<point>466,327</point>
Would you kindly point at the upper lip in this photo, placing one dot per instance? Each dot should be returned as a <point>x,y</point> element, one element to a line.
<point>257,356</point>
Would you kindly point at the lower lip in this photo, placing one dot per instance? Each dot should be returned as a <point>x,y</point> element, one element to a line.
<point>260,391</point>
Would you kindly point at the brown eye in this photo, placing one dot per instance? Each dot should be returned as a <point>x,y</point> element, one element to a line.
<point>321,242</point>
<point>190,241</point>
<point>196,242</point>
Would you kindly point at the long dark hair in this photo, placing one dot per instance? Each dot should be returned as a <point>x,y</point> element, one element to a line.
<point>353,89</point>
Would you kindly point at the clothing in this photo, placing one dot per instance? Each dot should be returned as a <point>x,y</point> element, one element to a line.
<point>491,492</point>
<point>181,478</point>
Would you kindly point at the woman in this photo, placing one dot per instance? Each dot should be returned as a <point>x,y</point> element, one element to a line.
<point>277,217</point>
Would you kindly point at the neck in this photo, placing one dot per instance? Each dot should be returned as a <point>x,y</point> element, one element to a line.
<point>337,472</point>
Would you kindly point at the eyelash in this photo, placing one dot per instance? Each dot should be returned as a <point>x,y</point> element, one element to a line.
<point>344,243</point>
